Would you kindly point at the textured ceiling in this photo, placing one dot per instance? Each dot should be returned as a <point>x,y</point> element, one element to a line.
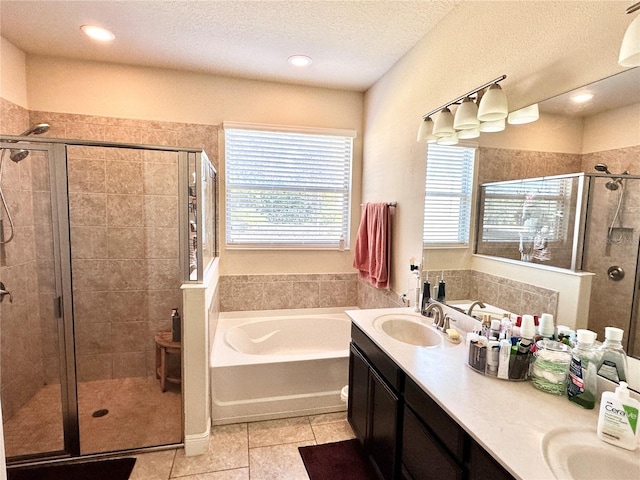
<point>352,43</point>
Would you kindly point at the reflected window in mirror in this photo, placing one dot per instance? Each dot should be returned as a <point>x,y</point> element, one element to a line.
<point>448,195</point>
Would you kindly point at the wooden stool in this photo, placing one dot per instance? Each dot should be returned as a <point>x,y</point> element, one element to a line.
<point>164,346</point>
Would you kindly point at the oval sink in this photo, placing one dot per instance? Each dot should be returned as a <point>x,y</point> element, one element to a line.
<point>408,329</point>
<point>579,454</point>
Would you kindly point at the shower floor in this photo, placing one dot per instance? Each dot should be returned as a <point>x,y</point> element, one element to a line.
<point>140,415</point>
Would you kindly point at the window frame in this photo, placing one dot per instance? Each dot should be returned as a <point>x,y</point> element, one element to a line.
<point>339,244</point>
<point>470,182</point>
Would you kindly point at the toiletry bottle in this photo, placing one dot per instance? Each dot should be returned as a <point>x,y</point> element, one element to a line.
<point>426,295</point>
<point>546,328</point>
<point>618,419</point>
<point>521,352</point>
<point>503,361</point>
<point>493,357</point>
<point>582,381</point>
<point>494,332</point>
<point>613,360</point>
<point>486,325</point>
<point>176,326</point>
<point>442,296</point>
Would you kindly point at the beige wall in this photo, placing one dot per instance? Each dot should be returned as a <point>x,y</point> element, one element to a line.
<point>612,129</point>
<point>80,87</point>
<point>13,74</point>
<point>544,48</point>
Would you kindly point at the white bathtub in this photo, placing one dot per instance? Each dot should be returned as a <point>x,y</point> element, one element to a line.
<point>276,364</point>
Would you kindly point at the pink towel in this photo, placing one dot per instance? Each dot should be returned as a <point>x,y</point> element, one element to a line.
<point>371,256</point>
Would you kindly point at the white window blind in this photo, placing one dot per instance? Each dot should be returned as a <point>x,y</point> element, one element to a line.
<point>448,194</point>
<point>287,189</point>
<point>512,210</point>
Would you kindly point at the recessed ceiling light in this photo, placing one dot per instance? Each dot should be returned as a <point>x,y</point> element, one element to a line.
<point>97,33</point>
<point>299,60</point>
<point>582,98</point>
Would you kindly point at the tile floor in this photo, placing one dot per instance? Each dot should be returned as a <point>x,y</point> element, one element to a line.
<point>248,451</point>
<point>140,414</point>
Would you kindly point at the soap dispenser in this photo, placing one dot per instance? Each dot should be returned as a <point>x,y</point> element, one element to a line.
<point>618,419</point>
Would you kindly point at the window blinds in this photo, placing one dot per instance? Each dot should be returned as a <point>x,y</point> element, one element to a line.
<point>287,189</point>
<point>448,194</point>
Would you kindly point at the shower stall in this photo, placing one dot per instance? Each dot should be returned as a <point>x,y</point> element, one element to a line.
<point>96,239</point>
<point>584,222</point>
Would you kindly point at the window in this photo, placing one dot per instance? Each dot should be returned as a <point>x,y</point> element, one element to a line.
<point>519,209</point>
<point>448,195</point>
<point>287,189</point>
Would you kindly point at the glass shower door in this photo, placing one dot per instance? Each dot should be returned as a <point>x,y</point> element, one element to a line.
<point>34,389</point>
<point>123,205</point>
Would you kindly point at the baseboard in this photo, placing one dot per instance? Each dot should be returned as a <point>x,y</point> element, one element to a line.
<point>197,444</point>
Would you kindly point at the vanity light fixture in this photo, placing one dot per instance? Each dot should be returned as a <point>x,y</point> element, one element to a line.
<point>97,33</point>
<point>467,115</point>
<point>630,48</point>
<point>493,105</point>
<point>448,140</point>
<point>492,126</point>
<point>425,131</point>
<point>469,133</point>
<point>443,126</point>
<point>299,60</point>
<point>524,115</point>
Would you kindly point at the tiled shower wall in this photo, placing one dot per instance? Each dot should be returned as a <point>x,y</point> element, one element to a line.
<point>124,232</point>
<point>123,207</point>
<point>611,301</point>
<point>24,265</point>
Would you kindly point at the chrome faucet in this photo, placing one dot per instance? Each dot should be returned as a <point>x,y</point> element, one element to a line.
<point>473,305</point>
<point>438,314</point>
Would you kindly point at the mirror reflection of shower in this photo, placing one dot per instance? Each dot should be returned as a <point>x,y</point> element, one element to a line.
<point>616,184</point>
<point>16,155</point>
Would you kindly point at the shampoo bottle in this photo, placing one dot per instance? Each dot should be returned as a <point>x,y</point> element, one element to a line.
<point>176,326</point>
<point>618,420</point>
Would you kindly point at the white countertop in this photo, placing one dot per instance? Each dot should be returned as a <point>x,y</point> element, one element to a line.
<point>509,419</point>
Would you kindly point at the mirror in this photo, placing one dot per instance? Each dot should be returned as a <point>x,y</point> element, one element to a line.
<point>572,137</point>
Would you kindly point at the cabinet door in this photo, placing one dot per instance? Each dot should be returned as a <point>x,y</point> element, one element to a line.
<point>358,405</point>
<point>482,466</point>
<point>384,416</point>
<point>423,458</point>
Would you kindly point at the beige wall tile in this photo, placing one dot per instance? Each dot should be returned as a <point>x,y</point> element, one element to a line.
<point>162,242</point>
<point>125,210</point>
<point>87,209</point>
<point>126,242</point>
<point>127,274</point>
<point>86,175</point>
<point>161,211</point>
<point>124,177</point>
<point>89,242</point>
<point>160,178</point>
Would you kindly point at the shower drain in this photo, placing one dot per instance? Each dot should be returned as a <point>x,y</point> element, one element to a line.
<point>100,413</point>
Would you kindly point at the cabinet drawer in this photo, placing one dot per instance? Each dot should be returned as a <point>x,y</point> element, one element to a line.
<point>441,425</point>
<point>423,458</point>
<point>391,373</point>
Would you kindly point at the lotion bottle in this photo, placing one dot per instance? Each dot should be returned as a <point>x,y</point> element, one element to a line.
<point>618,420</point>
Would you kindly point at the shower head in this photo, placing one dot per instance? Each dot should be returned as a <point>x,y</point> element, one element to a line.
<point>613,184</point>
<point>21,154</point>
<point>38,129</point>
<point>601,167</point>
<point>17,155</point>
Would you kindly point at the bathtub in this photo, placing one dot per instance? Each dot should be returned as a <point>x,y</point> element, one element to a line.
<point>277,364</point>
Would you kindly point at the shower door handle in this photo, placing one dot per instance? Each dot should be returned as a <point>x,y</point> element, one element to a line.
<point>4,292</point>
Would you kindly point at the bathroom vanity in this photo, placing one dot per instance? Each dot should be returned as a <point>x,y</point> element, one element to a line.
<point>421,413</point>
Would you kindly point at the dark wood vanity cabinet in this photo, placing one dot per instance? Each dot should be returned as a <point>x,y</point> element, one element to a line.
<point>374,406</point>
<point>405,433</point>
